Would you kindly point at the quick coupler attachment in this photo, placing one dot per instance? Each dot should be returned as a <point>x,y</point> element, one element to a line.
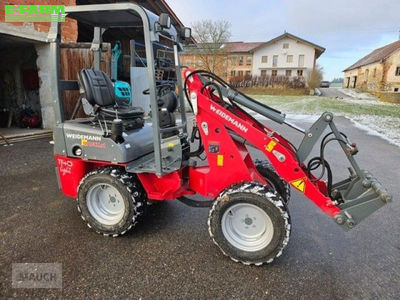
<point>358,197</point>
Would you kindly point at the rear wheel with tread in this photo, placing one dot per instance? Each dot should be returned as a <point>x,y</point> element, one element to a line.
<point>110,201</point>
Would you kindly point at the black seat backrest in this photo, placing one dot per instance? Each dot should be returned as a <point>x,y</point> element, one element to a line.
<point>96,87</point>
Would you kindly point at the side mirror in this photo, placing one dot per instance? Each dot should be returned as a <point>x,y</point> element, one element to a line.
<point>185,34</point>
<point>164,20</point>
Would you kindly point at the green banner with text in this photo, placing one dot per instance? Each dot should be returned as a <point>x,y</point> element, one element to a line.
<point>34,13</point>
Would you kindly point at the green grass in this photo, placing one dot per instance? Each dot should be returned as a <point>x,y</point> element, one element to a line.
<point>317,105</point>
<point>336,84</point>
<point>276,91</point>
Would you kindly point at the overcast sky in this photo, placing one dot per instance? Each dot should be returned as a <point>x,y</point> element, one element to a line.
<point>348,29</point>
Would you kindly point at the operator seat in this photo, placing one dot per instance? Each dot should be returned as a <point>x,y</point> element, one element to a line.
<point>96,87</point>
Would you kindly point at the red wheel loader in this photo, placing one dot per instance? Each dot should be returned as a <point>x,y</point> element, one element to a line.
<point>118,159</point>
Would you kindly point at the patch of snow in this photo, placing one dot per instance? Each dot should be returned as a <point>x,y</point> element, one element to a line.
<point>366,102</point>
<point>383,127</point>
<point>362,98</point>
<point>302,117</point>
<point>386,128</point>
<point>358,95</point>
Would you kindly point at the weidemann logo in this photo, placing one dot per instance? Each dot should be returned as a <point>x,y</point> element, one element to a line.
<point>228,118</point>
<point>83,137</point>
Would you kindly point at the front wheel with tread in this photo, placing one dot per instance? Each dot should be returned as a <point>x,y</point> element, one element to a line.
<point>250,223</point>
<point>276,182</point>
<point>110,201</point>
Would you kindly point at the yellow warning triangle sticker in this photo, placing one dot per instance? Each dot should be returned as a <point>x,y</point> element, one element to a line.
<point>299,184</point>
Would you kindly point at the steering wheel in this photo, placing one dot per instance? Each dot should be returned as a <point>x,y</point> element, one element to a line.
<point>159,88</point>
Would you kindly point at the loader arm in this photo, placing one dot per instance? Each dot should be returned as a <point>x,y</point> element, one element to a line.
<point>217,107</point>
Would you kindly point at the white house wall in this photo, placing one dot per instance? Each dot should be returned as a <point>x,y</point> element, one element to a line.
<point>295,48</point>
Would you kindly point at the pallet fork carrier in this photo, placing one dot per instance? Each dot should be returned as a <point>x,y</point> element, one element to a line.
<point>114,164</point>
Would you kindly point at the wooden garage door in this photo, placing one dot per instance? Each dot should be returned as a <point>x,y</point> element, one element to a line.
<point>74,57</point>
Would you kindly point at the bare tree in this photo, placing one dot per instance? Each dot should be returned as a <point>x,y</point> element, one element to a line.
<point>211,37</point>
<point>314,77</point>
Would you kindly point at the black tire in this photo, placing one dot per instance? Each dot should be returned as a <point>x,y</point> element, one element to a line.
<point>130,192</point>
<point>268,172</point>
<point>264,199</point>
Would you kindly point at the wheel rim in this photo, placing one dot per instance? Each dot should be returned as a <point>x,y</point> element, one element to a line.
<point>247,227</point>
<point>105,204</point>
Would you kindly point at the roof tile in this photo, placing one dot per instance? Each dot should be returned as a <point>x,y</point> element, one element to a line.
<point>241,46</point>
<point>376,55</point>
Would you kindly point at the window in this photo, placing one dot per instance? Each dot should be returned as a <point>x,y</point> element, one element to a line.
<point>366,73</point>
<point>233,60</point>
<point>233,73</point>
<point>301,60</point>
<point>199,62</point>
<point>300,73</point>
<point>240,60</point>
<point>240,73</point>
<point>248,60</point>
<point>288,73</point>
<point>285,45</point>
<point>248,73</point>
<point>224,62</point>
<point>396,90</point>
<point>263,73</point>
<point>264,59</point>
<point>289,58</point>
<point>274,73</point>
<point>224,74</point>
<point>374,74</point>
<point>275,61</point>
<point>188,62</point>
<point>398,71</point>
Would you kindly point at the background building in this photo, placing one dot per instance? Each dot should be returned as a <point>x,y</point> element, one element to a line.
<point>285,55</point>
<point>240,59</point>
<point>378,71</point>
